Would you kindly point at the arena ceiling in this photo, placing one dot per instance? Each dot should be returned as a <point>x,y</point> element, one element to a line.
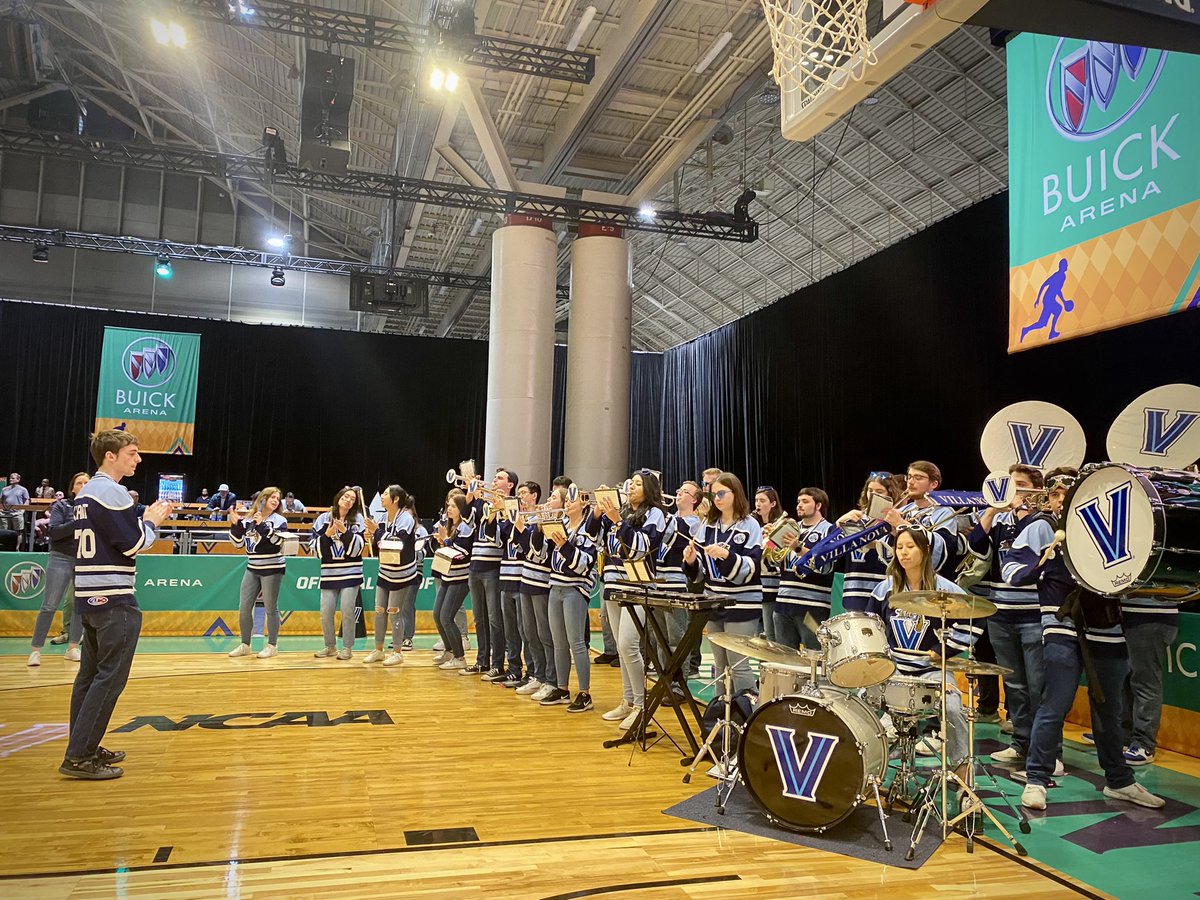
<point>929,143</point>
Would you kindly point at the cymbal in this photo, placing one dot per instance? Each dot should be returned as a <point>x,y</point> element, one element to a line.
<point>973,667</point>
<point>937,604</point>
<point>762,649</point>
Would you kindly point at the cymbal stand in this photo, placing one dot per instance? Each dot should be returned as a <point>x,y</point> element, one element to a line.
<point>726,769</point>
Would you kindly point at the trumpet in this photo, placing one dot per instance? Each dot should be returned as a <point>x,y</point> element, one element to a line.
<point>452,477</point>
<point>475,486</point>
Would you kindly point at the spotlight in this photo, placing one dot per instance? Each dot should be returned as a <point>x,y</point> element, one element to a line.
<point>277,279</point>
<point>646,212</point>
<point>451,81</point>
<point>41,253</point>
<point>741,206</point>
<point>168,33</point>
<point>279,241</point>
<point>443,79</point>
<point>437,78</point>
<point>162,268</point>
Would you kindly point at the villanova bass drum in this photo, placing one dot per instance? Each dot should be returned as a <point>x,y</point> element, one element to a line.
<point>808,760</point>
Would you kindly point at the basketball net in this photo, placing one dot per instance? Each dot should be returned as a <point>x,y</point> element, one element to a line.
<point>818,44</point>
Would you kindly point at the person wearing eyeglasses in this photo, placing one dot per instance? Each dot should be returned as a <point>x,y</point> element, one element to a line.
<point>917,508</point>
<point>634,532</point>
<point>727,561</point>
<point>804,591</point>
<point>768,509</point>
<point>864,567</point>
<point>1066,653</point>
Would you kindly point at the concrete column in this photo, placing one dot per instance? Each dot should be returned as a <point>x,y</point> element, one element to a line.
<point>596,446</point>
<point>521,349</point>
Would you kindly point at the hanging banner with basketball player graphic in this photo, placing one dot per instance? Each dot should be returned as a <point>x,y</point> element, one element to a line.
<point>148,387</point>
<point>1104,186</point>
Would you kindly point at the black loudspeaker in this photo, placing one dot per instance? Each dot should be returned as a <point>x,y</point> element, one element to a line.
<point>325,112</point>
<point>57,112</point>
<point>384,294</point>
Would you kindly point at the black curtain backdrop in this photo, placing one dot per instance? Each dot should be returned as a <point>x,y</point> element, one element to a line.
<point>307,409</point>
<point>900,357</point>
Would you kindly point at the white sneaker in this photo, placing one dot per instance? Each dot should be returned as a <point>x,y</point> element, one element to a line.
<point>35,658</point>
<point>1059,771</point>
<point>929,746</point>
<point>240,650</point>
<point>268,651</point>
<point>616,715</point>
<point>532,686</point>
<point>453,664</point>
<point>439,647</point>
<point>345,653</point>
<point>325,653</point>
<point>72,654</point>
<point>394,659</point>
<point>1135,793</point>
<point>1034,796</point>
<point>542,693</point>
<point>374,656</point>
<point>1006,727</point>
<point>627,722</point>
<point>1008,755</point>
<point>439,658</point>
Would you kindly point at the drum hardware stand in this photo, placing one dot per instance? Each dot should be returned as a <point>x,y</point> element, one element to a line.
<point>940,782</point>
<point>727,771</point>
<point>874,781</point>
<point>907,736</point>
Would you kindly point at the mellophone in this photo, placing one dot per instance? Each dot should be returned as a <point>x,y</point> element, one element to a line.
<point>814,749</point>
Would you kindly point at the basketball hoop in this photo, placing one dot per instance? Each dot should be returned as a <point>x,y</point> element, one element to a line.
<point>819,44</point>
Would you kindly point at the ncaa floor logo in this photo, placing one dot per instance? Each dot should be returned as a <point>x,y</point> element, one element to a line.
<point>25,580</point>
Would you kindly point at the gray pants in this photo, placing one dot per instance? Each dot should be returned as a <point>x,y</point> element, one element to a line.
<point>568,609</point>
<point>60,586</point>
<point>629,648</point>
<point>404,620</point>
<point>545,634</point>
<point>252,583</point>
<point>510,607</point>
<point>1148,644</point>
<point>956,720</point>
<point>331,598</point>
<point>743,675</point>
<point>535,651</point>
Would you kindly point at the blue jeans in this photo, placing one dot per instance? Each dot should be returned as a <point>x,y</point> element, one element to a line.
<point>331,599</point>
<point>789,625</point>
<point>60,584</point>
<point>1063,665</point>
<point>447,603</point>
<point>1148,644</point>
<point>404,620</point>
<point>568,621</point>
<point>606,632</point>
<point>485,596</point>
<point>109,641</point>
<point>743,675</point>
<point>768,620</point>
<point>541,613</point>
<point>535,653</point>
<point>510,623</point>
<point>1018,646</point>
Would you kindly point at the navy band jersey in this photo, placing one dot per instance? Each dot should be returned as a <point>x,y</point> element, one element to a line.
<point>109,537</point>
<point>574,564</point>
<point>1022,565</point>
<point>341,556</point>
<point>802,586</point>
<point>263,543</point>
<point>942,525</point>
<point>911,637</point>
<point>626,541</point>
<point>486,551</point>
<point>1143,610</point>
<point>1015,604</point>
<point>865,569</point>
<point>462,540</point>
<point>513,546</point>
<point>402,528</point>
<point>669,559</point>
<point>737,576</point>
<point>535,571</point>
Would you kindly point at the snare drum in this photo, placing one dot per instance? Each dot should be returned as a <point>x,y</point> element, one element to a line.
<point>776,680</point>
<point>904,695</point>
<point>856,650</point>
<point>1130,529</point>
<point>807,760</point>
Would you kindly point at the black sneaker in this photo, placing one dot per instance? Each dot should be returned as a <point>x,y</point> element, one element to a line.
<point>110,757</point>
<point>492,675</point>
<point>581,703</point>
<point>557,697</point>
<point>89,769</point>
<point>471,670</point>
<point>605,658</point>
<point>511,680</point>
<point>406,645</point>
<point>61,639</point>
<point>616,662</point>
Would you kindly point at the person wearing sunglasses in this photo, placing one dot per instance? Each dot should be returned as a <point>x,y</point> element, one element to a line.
<point>805,593</point>
<point>726,558</point>
<point>634,532</point>
<point>864,567</point>
<point>767,509</point>
<point>1066,652</point>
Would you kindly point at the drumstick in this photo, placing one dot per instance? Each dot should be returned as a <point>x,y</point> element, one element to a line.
<point>810,623</point>
<point>1052,550</point>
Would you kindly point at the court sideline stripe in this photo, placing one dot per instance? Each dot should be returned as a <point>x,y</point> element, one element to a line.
<point>262,670</point>
<point>1034,866</point>
<point>345,854</point>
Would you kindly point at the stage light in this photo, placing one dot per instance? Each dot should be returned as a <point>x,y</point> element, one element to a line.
<point>443,79</point>
<point>41,253</point>
<point>279,241</point>
<point>646,212</point>
<point>451,81</point>
<point>277,279</point>
<point>437,78</point>
<point>162,268</point>
<point>168,33</point>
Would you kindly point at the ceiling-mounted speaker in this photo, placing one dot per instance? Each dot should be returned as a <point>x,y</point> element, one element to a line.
<point>325,112</point>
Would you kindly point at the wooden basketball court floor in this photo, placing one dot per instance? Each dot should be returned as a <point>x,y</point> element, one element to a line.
<point>296,777</point>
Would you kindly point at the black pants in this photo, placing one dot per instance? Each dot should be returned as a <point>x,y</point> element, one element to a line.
<point>109,642</point>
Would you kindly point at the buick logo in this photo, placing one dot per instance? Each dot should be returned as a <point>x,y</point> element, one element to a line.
<point>24,580</point>
<point>148,362</point>
<point>1093,90</point>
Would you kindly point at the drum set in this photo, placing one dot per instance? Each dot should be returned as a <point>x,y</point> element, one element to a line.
<point>816,746</point>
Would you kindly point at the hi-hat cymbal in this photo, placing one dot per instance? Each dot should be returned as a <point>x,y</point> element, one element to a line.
<point>972,667</point>
<point>937,604</point>
<point>762,649</point>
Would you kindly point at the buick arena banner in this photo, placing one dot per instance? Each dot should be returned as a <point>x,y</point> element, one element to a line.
<point>148,387</point>
<point>1104,186</point>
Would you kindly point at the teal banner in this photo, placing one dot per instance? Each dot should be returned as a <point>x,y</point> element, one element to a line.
<point>148,387</point>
